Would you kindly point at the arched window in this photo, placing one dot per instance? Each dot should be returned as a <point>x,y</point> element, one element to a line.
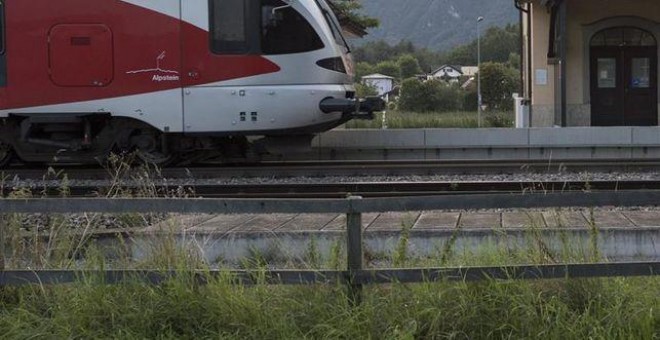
<point>623,36</point>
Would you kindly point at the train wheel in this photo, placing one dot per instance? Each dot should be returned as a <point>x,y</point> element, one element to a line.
<point>6,154</point>
<point>149,149</point>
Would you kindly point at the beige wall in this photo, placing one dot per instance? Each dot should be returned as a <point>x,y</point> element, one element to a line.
<point>585,17</point>
<point>541,94</point>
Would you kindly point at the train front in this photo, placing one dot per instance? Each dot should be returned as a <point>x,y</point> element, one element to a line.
<point>304,39</point>
<point>349,105</point>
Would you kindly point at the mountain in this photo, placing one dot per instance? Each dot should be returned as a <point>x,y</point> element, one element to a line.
<point>436,24</point>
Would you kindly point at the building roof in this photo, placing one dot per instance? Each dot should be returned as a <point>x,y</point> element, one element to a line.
<point>455,67</point>
<point>469,70</point>
<point>377,76</point>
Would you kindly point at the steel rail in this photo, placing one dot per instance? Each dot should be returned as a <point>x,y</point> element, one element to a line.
<point>350,205</point>
<point>364,189</point>
<point>343,168</point>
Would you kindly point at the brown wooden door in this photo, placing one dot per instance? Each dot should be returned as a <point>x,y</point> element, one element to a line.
<point>624,90</point>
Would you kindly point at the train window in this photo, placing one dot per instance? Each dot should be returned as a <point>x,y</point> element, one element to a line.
<point>228,26</point>
<point>333,22</point>
<point>284,30</point>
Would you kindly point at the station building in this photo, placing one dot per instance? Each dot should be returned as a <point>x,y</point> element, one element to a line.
<point>590,62</point>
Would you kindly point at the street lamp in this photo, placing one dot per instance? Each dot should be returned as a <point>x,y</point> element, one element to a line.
<point>479,19</point>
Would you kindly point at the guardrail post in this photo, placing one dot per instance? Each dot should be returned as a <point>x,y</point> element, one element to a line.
<point>3,241</point>
<point>354,251</point>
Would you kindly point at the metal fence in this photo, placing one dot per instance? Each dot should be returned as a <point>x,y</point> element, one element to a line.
<point>355,274</point>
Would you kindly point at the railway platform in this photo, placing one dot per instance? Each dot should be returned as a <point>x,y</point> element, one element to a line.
<point>619,235</point>
<point>488,143</point>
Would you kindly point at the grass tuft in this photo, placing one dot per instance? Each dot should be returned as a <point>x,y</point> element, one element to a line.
<point>431,120</point>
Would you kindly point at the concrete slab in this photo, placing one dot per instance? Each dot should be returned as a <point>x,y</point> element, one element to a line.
<point>437,220</point>
<point>644,218</point>
<point>223,223</point>
<point>413,138</point>
<point>564,219</point>
<point>515,220</point>
<point>480,220</point>
<point>307,222</point>
<point>339,223</point>
<point>265,223</point>
<point>180,222</point>
<point>394,221</point>
<point>646,152</point>
<point>609,219</point>
<point>580,136</point>
<point>449,138</point>
<point>646,135</point>
<point>476,153</point>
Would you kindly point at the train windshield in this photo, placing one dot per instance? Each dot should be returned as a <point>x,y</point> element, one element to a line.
<point>284,30</point>
<point>332,21</point>
<point>261,26</point>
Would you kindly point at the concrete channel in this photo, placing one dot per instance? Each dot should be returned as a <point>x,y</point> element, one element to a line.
<point>286,238</point>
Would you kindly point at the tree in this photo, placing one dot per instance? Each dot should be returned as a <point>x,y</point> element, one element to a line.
<point>350,9</point>
<point>411,96</point>
<point>374,52</point>
<point>514,61</point>
<point>429,96</point>
<point>408,66</point>
<point>363,69</point>
<point>498,83</point>
<point>365,90</point>
<point>497,44</point>
<point>388,68</point>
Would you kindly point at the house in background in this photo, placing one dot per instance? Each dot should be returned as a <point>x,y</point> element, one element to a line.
<point>454,74</point>
<point>448,73</point>
<point>382,83</point>
<point>591,62</point>
<point>470,71</point>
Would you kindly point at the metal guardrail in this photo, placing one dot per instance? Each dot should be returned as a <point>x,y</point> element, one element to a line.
<point>348,205</point>
<point>355,275</point>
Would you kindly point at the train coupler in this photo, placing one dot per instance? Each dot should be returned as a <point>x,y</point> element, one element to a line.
<point>357,108</point>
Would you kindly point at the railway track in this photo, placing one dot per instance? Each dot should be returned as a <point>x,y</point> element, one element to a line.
<point>338,190</point>
<point>346,168</point>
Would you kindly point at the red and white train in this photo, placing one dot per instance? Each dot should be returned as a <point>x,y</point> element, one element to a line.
<point>82,78</point>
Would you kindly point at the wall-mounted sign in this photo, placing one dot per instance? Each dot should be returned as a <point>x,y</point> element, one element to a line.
<point>541,76</point>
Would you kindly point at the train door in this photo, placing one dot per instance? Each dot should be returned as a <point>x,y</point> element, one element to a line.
<point>220,40</point>
<point>206,102</point>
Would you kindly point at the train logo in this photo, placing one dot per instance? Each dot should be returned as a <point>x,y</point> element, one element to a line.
<point>160,74</point>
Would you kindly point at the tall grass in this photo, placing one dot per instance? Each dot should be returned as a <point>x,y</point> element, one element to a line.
<point>557,309</point>
<point>416,120</point>
<point>613,308</point>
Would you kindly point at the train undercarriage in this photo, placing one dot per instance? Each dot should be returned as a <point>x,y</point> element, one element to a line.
<point>91,138</point>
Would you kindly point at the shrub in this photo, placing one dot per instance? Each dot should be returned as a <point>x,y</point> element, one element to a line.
<point>365,90</point>
<point>408,66</point>
<point>470,100</point>
<point>499,119</point>
<point>432,95</point>
<point>498,83</point>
